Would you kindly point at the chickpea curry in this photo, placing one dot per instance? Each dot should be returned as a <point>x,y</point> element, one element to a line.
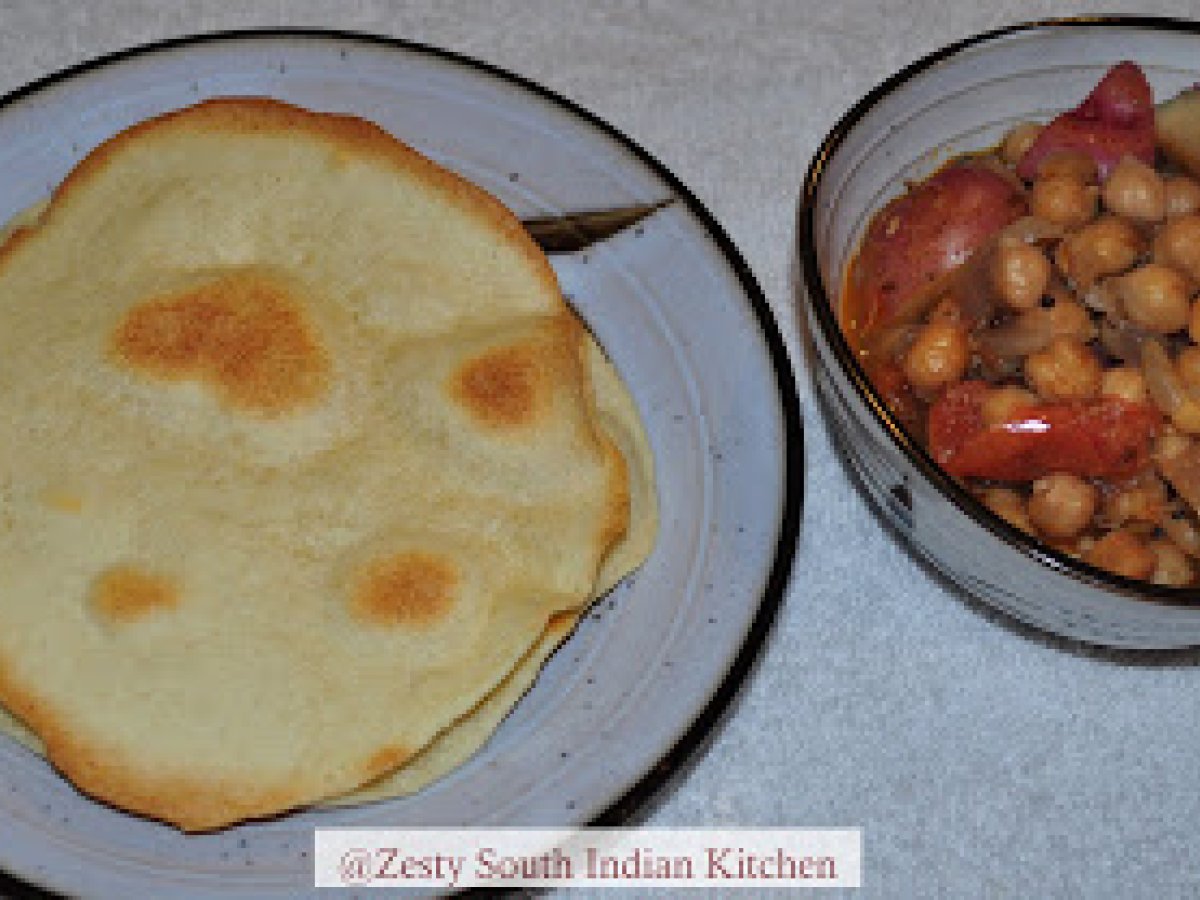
<point>1031,315</point>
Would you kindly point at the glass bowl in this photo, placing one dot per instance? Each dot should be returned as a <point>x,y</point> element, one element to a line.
<point>966,97</point>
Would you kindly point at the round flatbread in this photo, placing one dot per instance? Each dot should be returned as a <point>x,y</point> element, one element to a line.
<point>300,458</point>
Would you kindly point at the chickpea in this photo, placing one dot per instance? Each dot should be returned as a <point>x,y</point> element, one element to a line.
<point>1066,317</point>
<point>1062,200</point>
<point>1020,275</point>
<point>1126,382</point>
<point>1137,501</point>
<point>1155,297</point>
<point>1069,164</point>
<point>1003,403</point>
<point>1178,244</point>
<point>1184,534</point>
<point>1062,505</point>
<point>1018,141</point>
<point>1171,444</point>
<point>1107,246</point>
<point>1187,365</point>
<point>1186,417</point>
<point>1122,553</point>
<point>938,356</point>
<point>1008,505</point>
<point>1066,370</point>
<point>1171,568</point>
<point>1182,195</point>
<point>1135,190</point>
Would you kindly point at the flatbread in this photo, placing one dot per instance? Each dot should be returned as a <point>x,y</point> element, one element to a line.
<point>301,458</point>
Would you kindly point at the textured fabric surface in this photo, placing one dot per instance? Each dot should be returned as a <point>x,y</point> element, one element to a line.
<point>980,758</point>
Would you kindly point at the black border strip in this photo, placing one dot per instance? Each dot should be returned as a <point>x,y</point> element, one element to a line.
<point>1138,591</point>
<point>695,737</point>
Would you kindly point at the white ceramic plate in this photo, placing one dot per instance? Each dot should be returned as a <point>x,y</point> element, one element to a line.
<point>649,673</point>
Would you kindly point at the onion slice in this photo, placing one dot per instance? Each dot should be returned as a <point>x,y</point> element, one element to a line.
<point>1162,383</point>
<point>1182,470</point>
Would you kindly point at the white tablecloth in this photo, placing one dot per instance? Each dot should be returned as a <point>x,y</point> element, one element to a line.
<point>979,757</point>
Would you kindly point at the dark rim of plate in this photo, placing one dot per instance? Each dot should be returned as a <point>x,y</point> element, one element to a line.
<point>694,738</point>
<point>822,308</point>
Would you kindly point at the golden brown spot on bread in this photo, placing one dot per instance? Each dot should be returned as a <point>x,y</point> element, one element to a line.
<point>62,500</point>
<point>406,589</point>
<point>243,335</point>
<point>504,387</point>
<point>124,593</point>
<point>385,761</point>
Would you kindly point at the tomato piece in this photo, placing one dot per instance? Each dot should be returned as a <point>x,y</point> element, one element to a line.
<point>928,231</point>
<point>1103,438</point>
<point>955,418</point>
<point>1116,119</point>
